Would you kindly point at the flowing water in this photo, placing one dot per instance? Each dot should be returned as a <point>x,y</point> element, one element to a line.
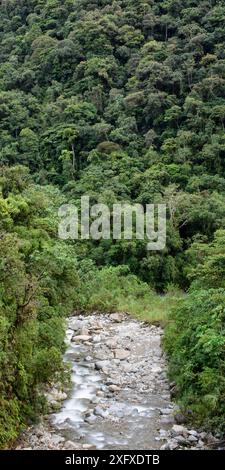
<point>121,405</point>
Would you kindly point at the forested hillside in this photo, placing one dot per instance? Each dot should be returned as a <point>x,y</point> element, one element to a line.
<point>123,101</point>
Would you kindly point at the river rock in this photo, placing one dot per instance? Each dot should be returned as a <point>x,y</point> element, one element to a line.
<point>96,325</point>
<point>114,388</point>
<point>84,332</point>
<point>56,439</point>
<point>70,445</point>
<point>165,411</point>
<point>99,365</point>
<point>192,432</point>
<point>192,438</point>
<point>179,417</point>
<point>103,354</point>
<point>78,338</point>
<point>98,411</point>
<point>88,446</point>
<point>56,396</point>
<point>121,354</point>
<point>111,343</point>
<point>167,419</point>
<point>117,317</point>
<point>90,419</point>
<point>177,430</point>
<point>96,339</point>
<point>75,325</point>
<point>182,440</point>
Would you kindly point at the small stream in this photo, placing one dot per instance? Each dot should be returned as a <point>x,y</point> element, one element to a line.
<point>120,395</point>
<point>129,417</point>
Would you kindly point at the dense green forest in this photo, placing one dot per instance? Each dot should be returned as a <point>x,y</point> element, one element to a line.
<point>123,101</point>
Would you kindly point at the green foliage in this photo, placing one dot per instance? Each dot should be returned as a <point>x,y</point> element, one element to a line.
<point>113,289</point>
<point>195,339</point>
<point>38,286</point>
<point>123,101</point>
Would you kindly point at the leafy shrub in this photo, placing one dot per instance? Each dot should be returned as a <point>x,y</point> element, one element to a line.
<point>195,343</point>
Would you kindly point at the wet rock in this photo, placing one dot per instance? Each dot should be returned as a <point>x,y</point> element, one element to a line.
<point>98,411</point>
<point>88,358</point>
<point>90,419</point>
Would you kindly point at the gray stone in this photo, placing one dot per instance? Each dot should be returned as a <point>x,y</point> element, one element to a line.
<point>165,411</point>
<point>182,440</point>
<point>165,446</point>
<point>98,411</point>
<point>88,446</point>
<point>111,343</point>
<point>179,430</point>
<point>84,332</point>
<point>114,388</point>
<point>193,433</point>
<point>78,338</point>
<point>90,419</point>
<point>173,445</point>
<point>179,417</point>
<point>117,317</point>
<point>192,438</point>
<point>56,439</point>
<point>70,445</point>
<point>55,396</point>
<point>121,354</point>
<point>167,419</point>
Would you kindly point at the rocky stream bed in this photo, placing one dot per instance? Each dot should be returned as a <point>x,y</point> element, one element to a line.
<point>120,396</point>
